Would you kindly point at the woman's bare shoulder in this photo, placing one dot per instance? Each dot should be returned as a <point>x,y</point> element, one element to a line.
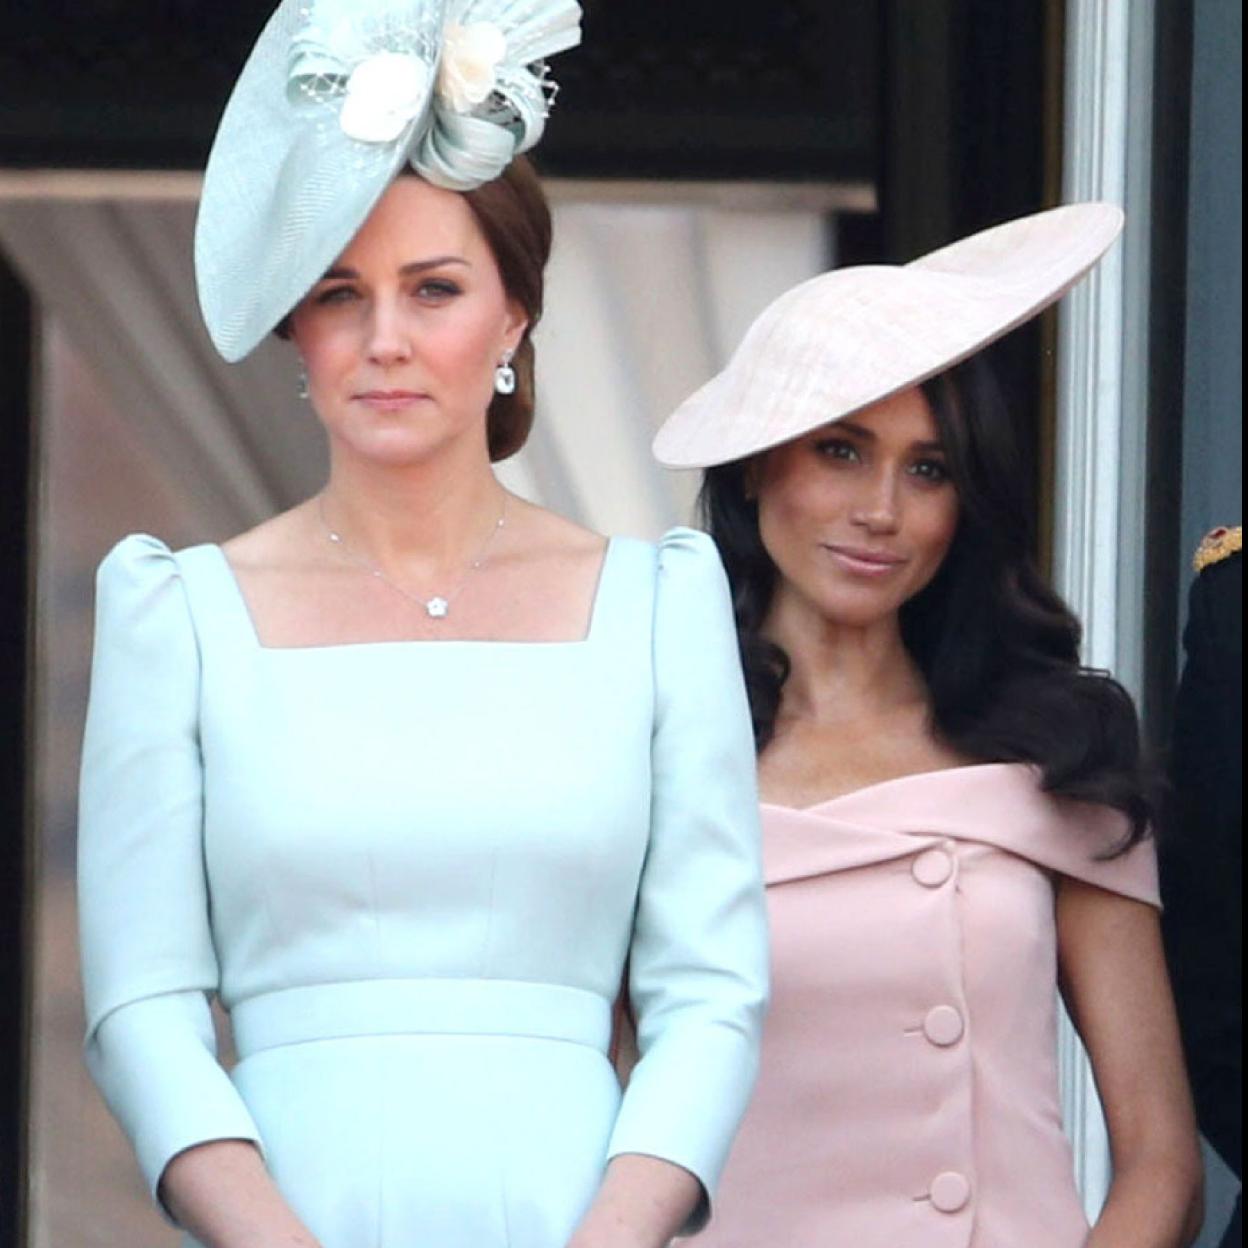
<point>545,534</point>
<point>281,541</point>
<point>552,568</point>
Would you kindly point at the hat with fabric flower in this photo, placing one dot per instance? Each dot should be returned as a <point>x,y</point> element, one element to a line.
<point>852,337</point>
<point>335,99</point>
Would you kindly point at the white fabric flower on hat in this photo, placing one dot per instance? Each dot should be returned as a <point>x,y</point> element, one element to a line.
<point>470,58</point>
<point>385,94</point>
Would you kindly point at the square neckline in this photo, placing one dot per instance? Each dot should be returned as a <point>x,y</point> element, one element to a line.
<point>244,611</point>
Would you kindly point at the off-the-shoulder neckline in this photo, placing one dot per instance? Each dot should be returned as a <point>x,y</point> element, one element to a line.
<point>911,777</point>
<point>610,545</point>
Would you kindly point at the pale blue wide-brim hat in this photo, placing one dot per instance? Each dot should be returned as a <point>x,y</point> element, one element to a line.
<point>335,99</point>
<point>844,340</point>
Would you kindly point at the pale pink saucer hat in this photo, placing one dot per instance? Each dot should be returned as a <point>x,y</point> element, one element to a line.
<point>849,338</point>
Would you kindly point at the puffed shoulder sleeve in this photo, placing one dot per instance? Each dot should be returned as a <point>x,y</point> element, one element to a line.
<point>698,966</point>
<point>147,953</point>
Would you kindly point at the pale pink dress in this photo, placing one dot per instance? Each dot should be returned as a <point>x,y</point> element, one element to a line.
<point>909,1090</point>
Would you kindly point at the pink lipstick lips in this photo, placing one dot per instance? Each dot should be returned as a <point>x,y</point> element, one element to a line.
<point>863,562</point>
<point>389,400</point>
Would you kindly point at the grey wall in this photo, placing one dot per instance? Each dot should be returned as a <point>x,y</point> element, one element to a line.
<point>1212,429</point>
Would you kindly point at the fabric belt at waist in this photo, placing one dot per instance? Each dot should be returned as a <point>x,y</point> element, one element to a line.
<point>392,1007</point>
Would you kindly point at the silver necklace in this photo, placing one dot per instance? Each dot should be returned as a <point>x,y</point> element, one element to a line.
<point>439,606</point>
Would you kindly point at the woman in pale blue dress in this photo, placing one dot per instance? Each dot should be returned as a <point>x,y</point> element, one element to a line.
<point>415,776</point>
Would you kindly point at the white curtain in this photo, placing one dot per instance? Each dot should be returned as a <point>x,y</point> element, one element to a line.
<point>644,303</point>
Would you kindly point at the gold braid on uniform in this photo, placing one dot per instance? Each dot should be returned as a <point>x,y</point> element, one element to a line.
<point>1218,544</point>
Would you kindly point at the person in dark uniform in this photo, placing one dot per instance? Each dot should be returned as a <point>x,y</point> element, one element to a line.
<point>1202,853</point>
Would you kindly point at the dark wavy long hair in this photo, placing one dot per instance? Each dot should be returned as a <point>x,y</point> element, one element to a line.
<point>999,650</point>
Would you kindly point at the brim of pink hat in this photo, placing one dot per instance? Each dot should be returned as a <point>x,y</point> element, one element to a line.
<point>849,338</point>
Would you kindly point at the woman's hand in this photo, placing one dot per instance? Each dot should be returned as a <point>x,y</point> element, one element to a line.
<point>642,1203</point>
<point>222,1193</point>
<point>1114,980</point>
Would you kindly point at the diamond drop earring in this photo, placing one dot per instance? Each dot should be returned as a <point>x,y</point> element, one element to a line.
<point>505,375</point>
<point>301,384</point>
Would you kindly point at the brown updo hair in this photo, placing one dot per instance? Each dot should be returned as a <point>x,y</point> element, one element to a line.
<point>514,218</point>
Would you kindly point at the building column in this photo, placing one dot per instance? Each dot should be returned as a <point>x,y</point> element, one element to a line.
<point>1102,403</point>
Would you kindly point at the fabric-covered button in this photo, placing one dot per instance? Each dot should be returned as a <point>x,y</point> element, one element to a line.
<point>943,1025</point>
<point>950,1191</point>
<point>932,867</point>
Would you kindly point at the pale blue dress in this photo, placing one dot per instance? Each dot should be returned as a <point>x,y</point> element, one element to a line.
<point>415,874</point>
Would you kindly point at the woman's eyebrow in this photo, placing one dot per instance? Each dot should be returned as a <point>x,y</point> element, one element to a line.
<point>421,266</point>
<point>867,435</point>
<point>341,272</point>
<point>859,431</point>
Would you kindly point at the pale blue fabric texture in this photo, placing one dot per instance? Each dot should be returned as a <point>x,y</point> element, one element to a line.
<point>415,872</point>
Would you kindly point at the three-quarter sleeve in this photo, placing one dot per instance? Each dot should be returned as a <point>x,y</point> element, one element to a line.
<point>698,963</point>
<point>147,952</point>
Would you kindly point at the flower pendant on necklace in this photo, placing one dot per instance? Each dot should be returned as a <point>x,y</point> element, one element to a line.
<point>437,608</point>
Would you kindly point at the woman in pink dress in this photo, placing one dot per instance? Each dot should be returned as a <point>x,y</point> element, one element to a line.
<point>955,811</point>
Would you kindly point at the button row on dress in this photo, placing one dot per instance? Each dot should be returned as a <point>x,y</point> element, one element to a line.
<point>932,867</point>
<point>943,1026</point>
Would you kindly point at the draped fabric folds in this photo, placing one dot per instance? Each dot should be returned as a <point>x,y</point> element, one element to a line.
<point>643,304</point>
